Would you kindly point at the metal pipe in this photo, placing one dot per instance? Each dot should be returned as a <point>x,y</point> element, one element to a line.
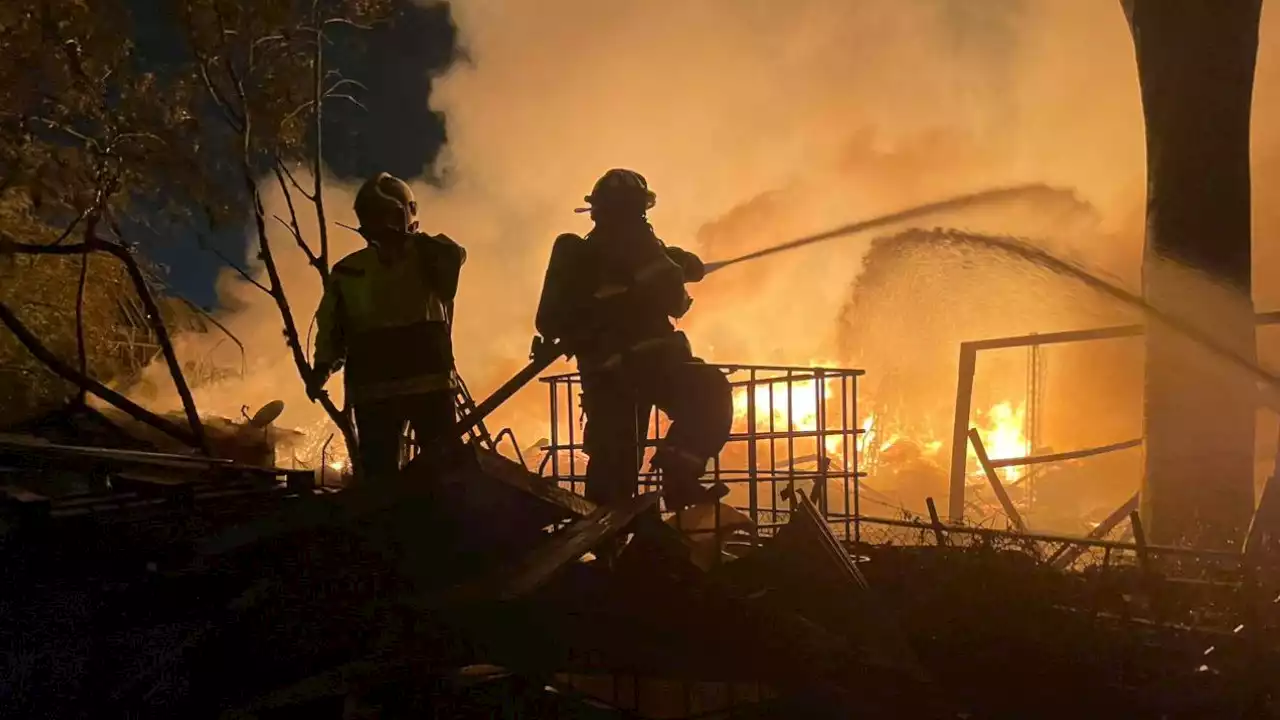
<point>959,432</point>
<point>1062,456</point>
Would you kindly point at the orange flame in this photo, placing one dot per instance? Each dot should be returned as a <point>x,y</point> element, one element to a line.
<point>1002,434</point>
<point>781,407</point>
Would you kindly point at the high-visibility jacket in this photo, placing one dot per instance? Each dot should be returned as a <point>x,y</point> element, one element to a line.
<point>390,321</point>
<point>614,292</point>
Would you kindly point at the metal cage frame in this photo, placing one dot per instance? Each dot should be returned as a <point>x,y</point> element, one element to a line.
<point>792,425</point>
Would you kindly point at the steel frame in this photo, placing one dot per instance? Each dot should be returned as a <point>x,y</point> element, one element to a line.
<point>773,465</point>
<point>964,398</point>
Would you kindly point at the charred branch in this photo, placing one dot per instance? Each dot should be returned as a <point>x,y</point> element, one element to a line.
<point>216,323</point>
<point>292,338</point>
<point>292,226</point>
<point>234,266</point>
<point>154,318</point>
<point>80,344</point>
<point>162,336</point>
<point>317,192</point>
<point>68,373</point>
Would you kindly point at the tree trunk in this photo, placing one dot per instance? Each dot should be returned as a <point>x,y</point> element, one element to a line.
<point>1196,66</point>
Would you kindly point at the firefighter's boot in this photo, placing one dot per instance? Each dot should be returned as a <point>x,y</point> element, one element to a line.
<point>680,475</point>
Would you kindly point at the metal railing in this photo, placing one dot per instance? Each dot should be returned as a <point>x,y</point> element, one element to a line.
<point>795,429</point>
<point>964,397</point>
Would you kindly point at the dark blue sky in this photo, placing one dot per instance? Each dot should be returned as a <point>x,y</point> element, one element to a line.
<point>398,134</point>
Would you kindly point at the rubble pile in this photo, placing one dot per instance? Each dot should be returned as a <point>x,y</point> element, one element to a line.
<point>468,586</point>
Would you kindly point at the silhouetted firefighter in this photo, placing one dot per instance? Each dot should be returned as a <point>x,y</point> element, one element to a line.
<point>386,313</point>
<point>610,297</point>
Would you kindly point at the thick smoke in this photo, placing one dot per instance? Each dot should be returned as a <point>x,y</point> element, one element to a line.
<point>758,122</point>
<point>755,123</point>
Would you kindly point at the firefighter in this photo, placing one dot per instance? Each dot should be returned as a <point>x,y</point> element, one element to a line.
<point>386,317</point>
<point>609,298</point>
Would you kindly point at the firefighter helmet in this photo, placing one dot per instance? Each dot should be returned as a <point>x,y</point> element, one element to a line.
<point>386,203</point>
<point>621,190</point>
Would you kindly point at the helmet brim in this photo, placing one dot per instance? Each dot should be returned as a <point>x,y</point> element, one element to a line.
<point>650,200</point>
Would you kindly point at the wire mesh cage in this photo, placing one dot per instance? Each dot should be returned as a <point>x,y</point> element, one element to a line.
<point>795,429</point>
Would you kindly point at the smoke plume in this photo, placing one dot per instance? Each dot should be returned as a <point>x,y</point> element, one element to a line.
<point>756,123</point>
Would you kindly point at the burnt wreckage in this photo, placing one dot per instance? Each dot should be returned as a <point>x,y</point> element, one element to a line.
<point>171,586</point>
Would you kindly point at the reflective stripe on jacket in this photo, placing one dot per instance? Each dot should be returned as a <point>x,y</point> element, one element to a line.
<point>390,321</point>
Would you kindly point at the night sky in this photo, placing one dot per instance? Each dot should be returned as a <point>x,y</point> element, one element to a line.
<point>399,134</point>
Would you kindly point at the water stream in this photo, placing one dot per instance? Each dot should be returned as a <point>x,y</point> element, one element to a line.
<point>1025,251</point>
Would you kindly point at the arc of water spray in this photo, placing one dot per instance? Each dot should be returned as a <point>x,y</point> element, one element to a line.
<point>1039,257</point>
<point>1189,331</point>
<point>955,203</point>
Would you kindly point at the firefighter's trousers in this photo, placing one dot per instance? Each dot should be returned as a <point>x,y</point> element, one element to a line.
<point>618,403</point>
<point>380,427</point>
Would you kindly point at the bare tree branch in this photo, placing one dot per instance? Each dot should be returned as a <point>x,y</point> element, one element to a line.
<point>293,180</point>
<point>302,244</point>
<point>298,110</point>
<point>286,313</point>
<point>295,230</point>
<point>80,344</point>
<point>71,227</point>
<point>9,245</point>
<point>235,120</point>
<point>89,142</point>
<point>229,63</point>
<point>318,194</point>
<point>236,77</point>
<point>162,335</point>
<point>51,360</point>
<point>122,137</point>
<point>344,96</point>
<point>346,81</point>
<point>156,320</point>
<point>348,22</point>
<point>225,331</point>
<point>233,265</point>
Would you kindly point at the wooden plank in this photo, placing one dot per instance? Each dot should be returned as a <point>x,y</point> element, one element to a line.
<point>1069,455</point>
<point>1070,552</point>
<point>519,478</point>
<point>24,503</point>
<point>856,612</point>
<point>154,485</point>
<point>996,485</point>
<point>148,480</point>
<point>21,495</point>
<point>569,545</point>
<point>936,522</point>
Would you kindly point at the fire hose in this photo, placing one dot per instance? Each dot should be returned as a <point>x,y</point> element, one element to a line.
<point>543,353</point>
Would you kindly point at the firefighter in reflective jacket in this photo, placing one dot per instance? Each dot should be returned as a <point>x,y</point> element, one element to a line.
<point>385,316</point>
<point>610,297</point>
